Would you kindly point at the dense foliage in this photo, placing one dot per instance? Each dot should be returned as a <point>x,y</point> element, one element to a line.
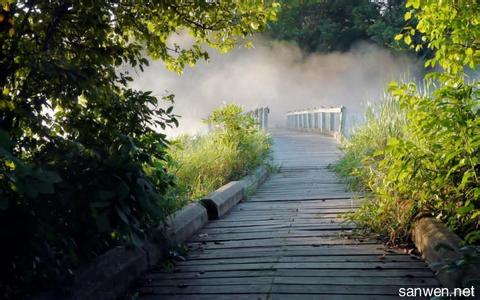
<point>430,165</point>
<point>335,25</point>
<point>82,162</point>
<point>205,162</point>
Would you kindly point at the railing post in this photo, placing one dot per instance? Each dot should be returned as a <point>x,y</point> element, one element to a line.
<point>262,119</point>
<point>266,112</point>
<point>260,116</point>
<point>342,120</point>
<point>324,115</point>
<point>332,123</point>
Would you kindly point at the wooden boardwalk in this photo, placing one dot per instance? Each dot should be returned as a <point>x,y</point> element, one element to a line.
<point>288,241</point>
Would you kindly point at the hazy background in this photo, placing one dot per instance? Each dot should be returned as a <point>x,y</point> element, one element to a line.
<point>278,75</point>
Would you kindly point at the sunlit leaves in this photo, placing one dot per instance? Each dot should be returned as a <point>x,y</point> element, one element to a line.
<point>434,162</point>
<point>451,29</point>
<point>217,24</point>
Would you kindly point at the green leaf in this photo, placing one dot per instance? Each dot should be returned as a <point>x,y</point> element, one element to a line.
<point>408,39</point>
<point>408,15</point>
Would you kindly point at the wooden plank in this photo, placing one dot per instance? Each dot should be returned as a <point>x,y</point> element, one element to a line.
<point>331,297</point>
<point>211,274</point>
<point>339,289</point>
<point>264,235</point>
<point>304,259</point>
<point>210,281</point>
<point>219,289</point>
<point>276,228</point>
<point>244,253</point>
<point>207,297</point>
<point>308,265</point>
<point>291,241</point>
<point>369,273</point>
<point>328,280</point>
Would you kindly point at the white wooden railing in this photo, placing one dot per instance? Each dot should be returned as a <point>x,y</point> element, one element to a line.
<point>260,115</point>
<point>326,120</point>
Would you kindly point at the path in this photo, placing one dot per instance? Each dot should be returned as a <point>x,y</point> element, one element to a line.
<point>288,242</point>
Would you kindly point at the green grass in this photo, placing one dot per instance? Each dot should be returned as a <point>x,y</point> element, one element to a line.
<point>383,120</point>
<point>204,163</point>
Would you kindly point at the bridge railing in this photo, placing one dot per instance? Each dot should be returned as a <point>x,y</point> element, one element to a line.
<point>260,115</point>
<point>326,120</point>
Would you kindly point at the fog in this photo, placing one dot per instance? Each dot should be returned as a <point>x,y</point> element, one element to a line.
<point>280,76</point>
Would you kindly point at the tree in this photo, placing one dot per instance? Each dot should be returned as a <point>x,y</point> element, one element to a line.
<point>450,29</point>
<point>324,26</point>
<point>81,154</point>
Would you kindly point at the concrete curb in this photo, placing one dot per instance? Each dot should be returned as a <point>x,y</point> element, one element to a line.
<point>225,198</point>
<point>251,182</point>
<point>184,223</point>
<point>112,273</point>
<point>438,245</point>
<point>222,200</point>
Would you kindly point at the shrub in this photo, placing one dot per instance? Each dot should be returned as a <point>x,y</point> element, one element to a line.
<point>433,166</point>
<point>383,119</point>
<point>233,148</point>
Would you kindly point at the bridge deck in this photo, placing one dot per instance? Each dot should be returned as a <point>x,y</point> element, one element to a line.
<point>288,242</point>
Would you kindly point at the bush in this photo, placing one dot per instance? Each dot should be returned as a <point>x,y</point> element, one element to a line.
<point>432,165</point>
<point>383,119</point>
<point>233,148</point>
<point>428,165</point>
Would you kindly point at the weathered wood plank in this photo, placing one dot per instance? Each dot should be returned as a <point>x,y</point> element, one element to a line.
<point>331,297</point>
<point>339,289</point>
<point>302,259</point>
<point>207,297</point>
<point>413,273</point>
<point>277,242</point>
<point>397,281</point>
<point>309,265</point>
<point>312,252</point>
<point>264,235</point>
<point>219,289</point>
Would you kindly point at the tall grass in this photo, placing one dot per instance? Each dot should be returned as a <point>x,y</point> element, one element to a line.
<point>205,162</point>
<point>418,154</point>
<point>383,119</point>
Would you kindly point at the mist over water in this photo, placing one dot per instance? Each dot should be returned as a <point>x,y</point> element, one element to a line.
<point>278,75</point>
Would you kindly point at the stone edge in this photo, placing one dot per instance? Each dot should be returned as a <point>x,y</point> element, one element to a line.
<point>221,201</point>
<point>438,245</point>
